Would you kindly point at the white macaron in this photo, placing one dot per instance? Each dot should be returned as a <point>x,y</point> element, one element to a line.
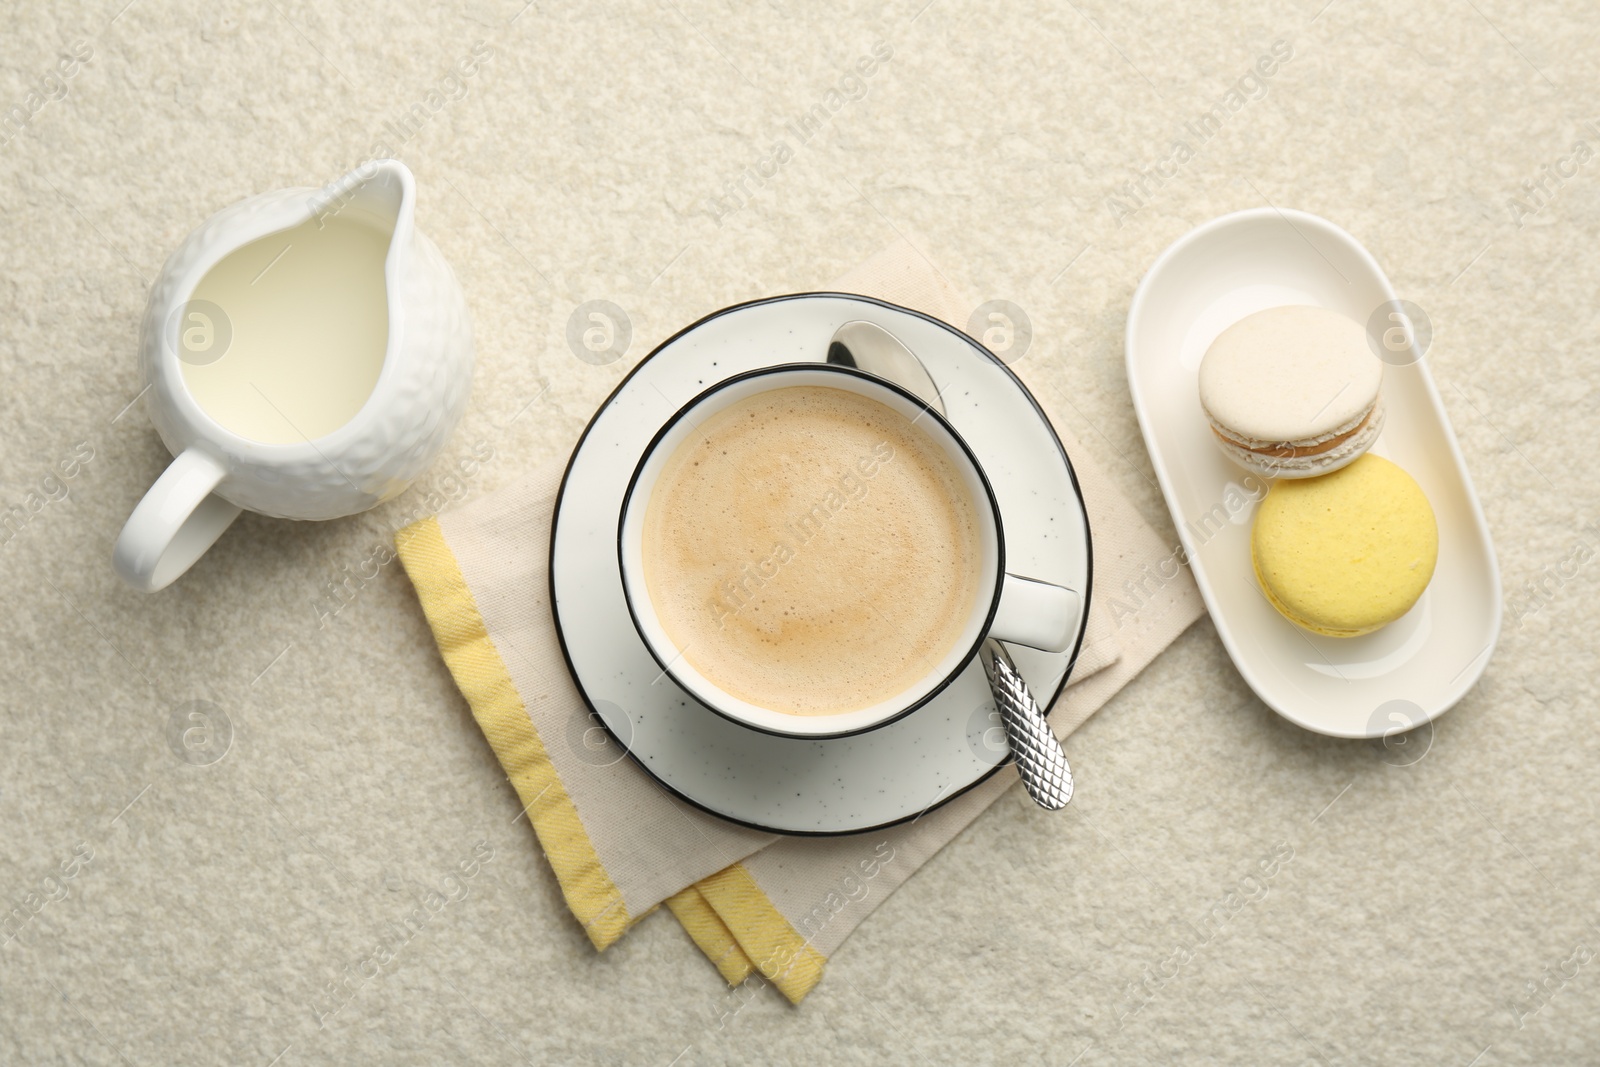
<point>1293,392</point>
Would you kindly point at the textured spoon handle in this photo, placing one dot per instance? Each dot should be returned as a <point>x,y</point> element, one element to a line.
<point>1040,759</point>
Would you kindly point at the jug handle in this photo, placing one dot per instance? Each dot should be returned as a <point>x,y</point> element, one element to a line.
<point>174,524</point>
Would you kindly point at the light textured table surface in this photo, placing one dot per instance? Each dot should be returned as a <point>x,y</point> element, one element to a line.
<point>1438,912</point>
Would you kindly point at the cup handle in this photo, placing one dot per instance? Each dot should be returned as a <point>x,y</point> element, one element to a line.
<point>174,524</point>
<point>1036,614</point>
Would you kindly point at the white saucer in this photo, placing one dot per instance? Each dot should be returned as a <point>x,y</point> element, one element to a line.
<point>781,784</point>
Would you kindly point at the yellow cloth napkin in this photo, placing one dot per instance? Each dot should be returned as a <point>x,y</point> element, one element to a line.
<point>619,844</point>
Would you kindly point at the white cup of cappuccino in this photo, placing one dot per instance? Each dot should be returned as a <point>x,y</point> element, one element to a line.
<point>811,551</point>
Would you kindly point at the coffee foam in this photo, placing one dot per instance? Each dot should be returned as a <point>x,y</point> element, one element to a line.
<point>812,551</point>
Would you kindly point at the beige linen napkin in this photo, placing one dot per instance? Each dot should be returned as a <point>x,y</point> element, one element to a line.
<point>619,844</point>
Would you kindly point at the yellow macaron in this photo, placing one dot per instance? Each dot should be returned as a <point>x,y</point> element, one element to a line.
<point>1345,553</point>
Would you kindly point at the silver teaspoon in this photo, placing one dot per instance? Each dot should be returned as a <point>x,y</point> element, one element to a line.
<point>1041,762</point>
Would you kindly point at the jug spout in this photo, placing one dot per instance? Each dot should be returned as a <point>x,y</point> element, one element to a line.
<point>380,192</point>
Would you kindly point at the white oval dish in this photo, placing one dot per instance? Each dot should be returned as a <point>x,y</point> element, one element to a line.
<point>1404,674</point>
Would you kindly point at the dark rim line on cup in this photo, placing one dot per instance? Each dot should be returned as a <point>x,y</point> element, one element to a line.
<point>941,799</point>
<point>822,368</point>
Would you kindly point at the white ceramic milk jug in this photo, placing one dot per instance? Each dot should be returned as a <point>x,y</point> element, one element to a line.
<point>307,354</point>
